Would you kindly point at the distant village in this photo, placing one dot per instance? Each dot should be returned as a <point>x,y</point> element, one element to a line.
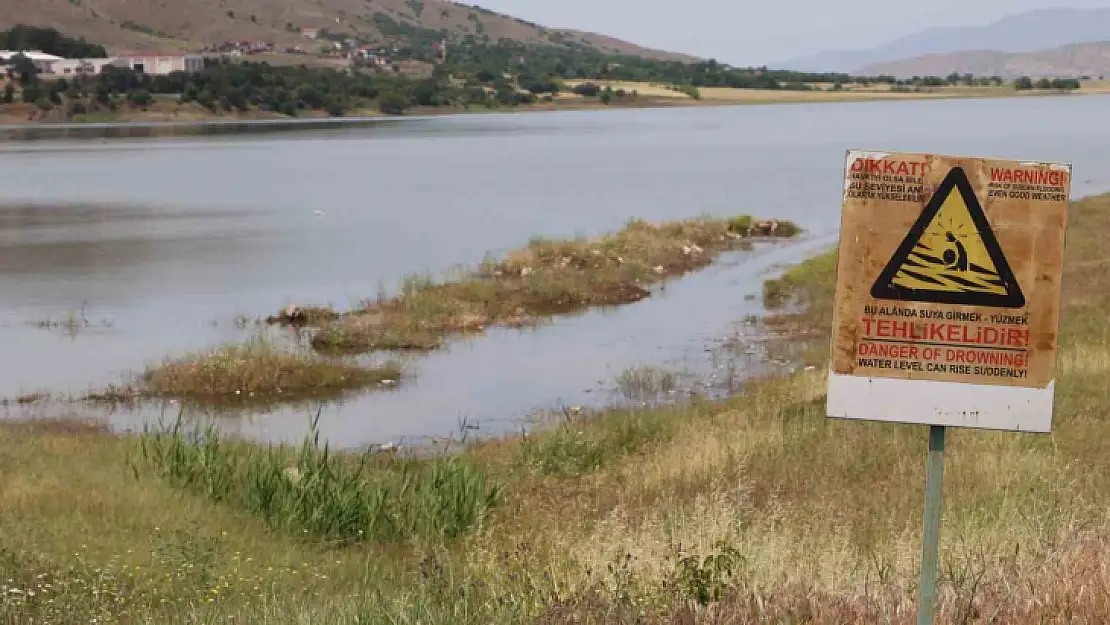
<point>165,62</point>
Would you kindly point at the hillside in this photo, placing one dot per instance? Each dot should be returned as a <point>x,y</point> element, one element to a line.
<point>123,25</point>
<point>1084,59</point>
<point>1023,32</point>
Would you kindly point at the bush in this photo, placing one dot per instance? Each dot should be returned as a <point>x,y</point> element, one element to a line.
<point>31,93</point>
<point>587,89</point>
<point>139,97</point>
<point>393,103</point>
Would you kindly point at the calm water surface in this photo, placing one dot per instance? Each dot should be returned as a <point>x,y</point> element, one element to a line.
<point>169,239</point>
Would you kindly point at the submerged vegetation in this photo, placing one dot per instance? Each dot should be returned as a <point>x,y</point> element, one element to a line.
<point>259,372</point>
<point>545,278</point>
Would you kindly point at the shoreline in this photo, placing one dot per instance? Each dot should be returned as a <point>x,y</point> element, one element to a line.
<point>750,97</point>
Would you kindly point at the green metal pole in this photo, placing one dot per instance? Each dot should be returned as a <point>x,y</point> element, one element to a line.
<point>930,548</point>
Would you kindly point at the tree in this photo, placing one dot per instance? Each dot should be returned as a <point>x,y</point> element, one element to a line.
<point>425,93</point>
<point>1044,83</point>
<point>310,97</point>
<point>103,93</point>
<point>393,103</point>
<point>1024,83</point>
<point>607,96</point>
<point>23,69</point>
<point>48,40</point>
<point>31,93</point>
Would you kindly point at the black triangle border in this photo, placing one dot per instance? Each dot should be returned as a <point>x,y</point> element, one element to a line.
<point>884,287</point>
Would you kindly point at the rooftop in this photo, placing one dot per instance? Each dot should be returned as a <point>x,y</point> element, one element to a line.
<point>151,54</point>
<point>34,55</point>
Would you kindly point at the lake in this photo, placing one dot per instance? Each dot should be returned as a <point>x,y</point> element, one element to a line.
<point>168,240</point>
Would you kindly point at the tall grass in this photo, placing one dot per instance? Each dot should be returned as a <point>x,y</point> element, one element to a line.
<point>335,497</point>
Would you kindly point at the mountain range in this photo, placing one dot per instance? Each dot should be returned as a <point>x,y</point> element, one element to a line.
<point>1075,61</point>
<point>126,25</point>
<point>1013,45</point>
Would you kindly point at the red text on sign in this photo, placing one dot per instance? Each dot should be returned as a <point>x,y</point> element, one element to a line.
<point>946,333</point>
<point>896,168</point>
<point>1030,176</point>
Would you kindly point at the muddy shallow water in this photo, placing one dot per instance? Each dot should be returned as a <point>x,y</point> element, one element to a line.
<point>116,253</point>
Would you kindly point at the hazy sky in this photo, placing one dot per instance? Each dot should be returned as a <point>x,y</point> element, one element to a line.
<point>755,32</point>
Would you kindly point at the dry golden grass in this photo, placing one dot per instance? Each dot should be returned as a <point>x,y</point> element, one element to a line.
<point>822,93</point>
<point>545,278</point>
<point>753,510</point>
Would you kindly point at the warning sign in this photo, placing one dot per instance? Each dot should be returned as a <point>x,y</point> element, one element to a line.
<point>948,289</point>
<point>951,255</point>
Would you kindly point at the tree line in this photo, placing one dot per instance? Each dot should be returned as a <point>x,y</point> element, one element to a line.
<point>50,41</point>
<point>225,85</point>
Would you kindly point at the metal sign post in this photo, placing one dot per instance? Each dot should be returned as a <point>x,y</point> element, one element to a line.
<point>930,545</point>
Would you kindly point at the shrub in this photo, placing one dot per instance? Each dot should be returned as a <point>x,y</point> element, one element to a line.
<point>587,89</point>
<point>139,97</point>
<point>393,103</point>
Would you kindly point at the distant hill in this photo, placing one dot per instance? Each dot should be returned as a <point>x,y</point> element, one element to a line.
<point>123,25</point>
<point>1083,59</point>
<point>1024,32</point>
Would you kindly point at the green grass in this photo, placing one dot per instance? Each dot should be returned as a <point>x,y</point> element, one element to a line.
<point>338,498</point>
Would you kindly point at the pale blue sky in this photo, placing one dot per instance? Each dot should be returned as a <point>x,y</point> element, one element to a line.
<point>746,32</point>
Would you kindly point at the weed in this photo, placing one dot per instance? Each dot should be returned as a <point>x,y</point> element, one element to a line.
<point>706,579</point>
<point>311,489</point>
<point>73,322</point>
<point>646,383</point>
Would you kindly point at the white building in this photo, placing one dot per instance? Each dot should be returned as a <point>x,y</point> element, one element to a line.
<point>160,63</point>
<point>65,68</point>
<point>41,60</point>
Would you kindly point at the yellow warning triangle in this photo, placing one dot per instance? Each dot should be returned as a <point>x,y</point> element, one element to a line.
<point>950,255</point>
